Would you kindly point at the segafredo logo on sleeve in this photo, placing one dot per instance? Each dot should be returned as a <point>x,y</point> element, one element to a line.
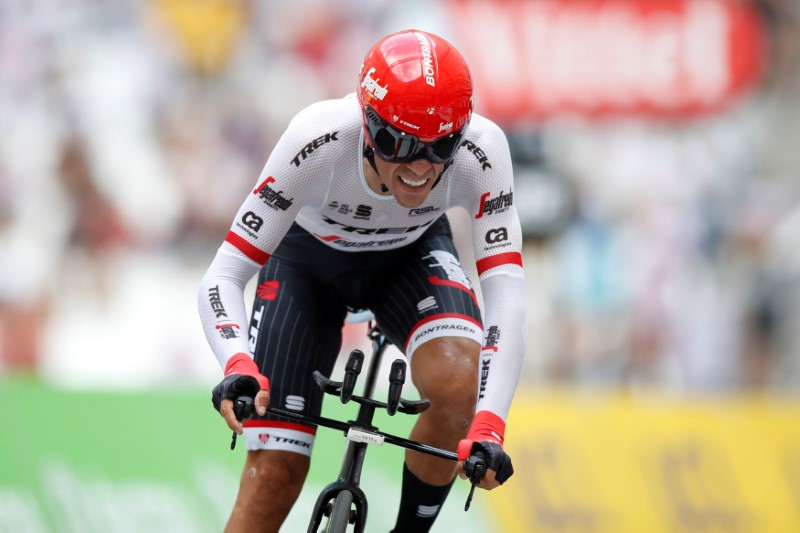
<point>496,204</point>
<point>271,197</point>
<point>492,338</point>
<point>371,85</point>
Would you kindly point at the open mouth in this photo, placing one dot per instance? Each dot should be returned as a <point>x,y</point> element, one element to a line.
<point>414,184</point>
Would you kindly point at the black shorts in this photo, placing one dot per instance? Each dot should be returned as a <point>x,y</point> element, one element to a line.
<point>305,290</point>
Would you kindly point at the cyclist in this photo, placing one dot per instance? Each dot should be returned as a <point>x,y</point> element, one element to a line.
<point>349,213</point>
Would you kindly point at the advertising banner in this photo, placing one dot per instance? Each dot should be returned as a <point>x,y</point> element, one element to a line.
<point>601,58</point>
<point>611,464</point>
<point>160,462</point>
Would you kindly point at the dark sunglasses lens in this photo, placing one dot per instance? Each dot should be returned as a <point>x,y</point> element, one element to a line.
<point>444,149</point>
<point>384,137</point>
<point>394,146</point>
<point>407,147</point>
<point>384,143</point>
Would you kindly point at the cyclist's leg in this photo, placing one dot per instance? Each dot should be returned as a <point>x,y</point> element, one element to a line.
<point>295,329</point>
<point>429,310</point>
<point>445,371</point>
<point>269,486</point>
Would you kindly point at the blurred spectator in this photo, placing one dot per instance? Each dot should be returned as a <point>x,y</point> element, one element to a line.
<point>97,226</point>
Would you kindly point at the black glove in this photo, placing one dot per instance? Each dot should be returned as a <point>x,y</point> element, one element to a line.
<point>496,459</point>
<point>233,386</point>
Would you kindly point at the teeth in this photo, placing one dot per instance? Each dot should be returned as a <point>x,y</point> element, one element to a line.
<point>412,183</point>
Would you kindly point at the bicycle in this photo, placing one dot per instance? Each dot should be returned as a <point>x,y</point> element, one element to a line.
<point>343,501</point>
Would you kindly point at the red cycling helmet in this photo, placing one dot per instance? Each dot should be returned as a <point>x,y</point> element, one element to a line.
<point>415,92</point>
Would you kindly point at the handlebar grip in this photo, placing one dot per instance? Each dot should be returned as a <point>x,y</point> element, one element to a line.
<point>351,371</point>
<point>243,407</point>
<point>475,466</point>
<point>397,377</point>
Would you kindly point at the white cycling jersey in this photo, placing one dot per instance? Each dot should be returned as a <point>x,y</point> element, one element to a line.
<point>314,176</point>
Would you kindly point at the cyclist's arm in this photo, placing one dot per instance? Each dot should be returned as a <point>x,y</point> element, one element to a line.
<point>262,221</point>
<point>224,318</point>
<point>221,303</point>
<point>502,353</point>
<point>254,234</point>
<point>499,367</point>
<point>497,243</point>
<point>258,227</point>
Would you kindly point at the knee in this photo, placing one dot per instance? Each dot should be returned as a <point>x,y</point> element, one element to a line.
<point>445,371</point>
<point>274,475</point>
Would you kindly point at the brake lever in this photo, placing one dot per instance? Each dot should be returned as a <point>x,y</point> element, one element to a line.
<point>475,468</point>
<point>242,408</point>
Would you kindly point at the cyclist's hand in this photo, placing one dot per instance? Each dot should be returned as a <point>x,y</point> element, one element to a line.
<point>486,436</point>
<point>498,463</point>
<point>242,378</point>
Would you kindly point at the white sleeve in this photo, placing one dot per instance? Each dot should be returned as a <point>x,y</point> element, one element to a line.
<point>262,221</point>
<point>221,304</point>
<point>486,191</point>
<point>503,350</point>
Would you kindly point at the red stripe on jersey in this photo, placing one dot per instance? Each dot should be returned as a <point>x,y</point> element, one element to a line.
<point>436,280</point>
<point>280,425</point>
<point>508,258</point>
<point>259,256</point>
<point>328,238</point>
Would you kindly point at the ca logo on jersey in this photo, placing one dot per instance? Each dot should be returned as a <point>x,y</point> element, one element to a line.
<point>252,221</point>
<point>496,235</point>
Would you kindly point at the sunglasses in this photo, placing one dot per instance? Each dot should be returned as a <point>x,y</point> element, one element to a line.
<point>395,146</point>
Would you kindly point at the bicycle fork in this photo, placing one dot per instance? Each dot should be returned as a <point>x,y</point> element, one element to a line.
<point>350,475</point>
<point>349,480</point>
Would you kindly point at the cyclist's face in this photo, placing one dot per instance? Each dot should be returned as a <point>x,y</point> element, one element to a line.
<point>409,183</point>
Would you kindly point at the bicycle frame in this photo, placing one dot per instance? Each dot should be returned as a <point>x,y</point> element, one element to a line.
<point>350,474</point>
<point>360,433</point>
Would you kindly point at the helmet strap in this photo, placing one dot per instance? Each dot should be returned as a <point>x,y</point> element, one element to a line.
<point>446,166</point>
<point>369,153</point>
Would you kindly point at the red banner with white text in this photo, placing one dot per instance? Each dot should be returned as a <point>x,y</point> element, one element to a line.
<point>655,58</point>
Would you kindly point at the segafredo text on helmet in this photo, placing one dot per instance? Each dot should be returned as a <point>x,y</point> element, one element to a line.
<point>372,87</point>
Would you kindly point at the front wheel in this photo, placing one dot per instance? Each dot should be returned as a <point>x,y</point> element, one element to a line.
<point>340,514</point>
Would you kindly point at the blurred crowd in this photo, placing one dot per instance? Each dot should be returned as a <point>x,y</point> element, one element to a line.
<point>658,253</point>
<point>676,266</point>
